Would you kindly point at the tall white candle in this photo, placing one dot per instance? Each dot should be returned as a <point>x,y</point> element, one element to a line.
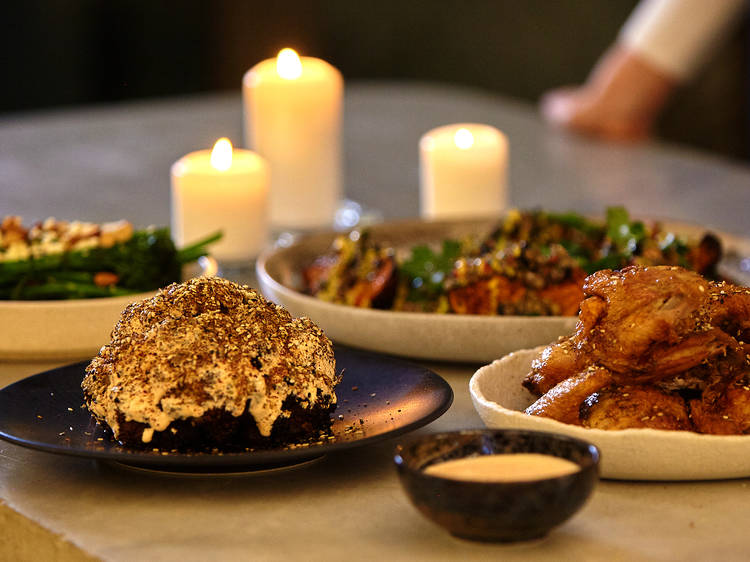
<point>221,189</point>
<point>463,171</point>
<point>293,119</point>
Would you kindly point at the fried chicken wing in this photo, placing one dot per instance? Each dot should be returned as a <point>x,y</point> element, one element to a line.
<point>664,360</point>
<point>729,309</point>
<point>554,365</point>
<point>724,410</point>
<point>652,321</point>
<point>664,334</point>
<point>563,401</point>
<point>635,406</point>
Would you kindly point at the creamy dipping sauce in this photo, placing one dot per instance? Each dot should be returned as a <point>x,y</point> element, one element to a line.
<point>516,467</point>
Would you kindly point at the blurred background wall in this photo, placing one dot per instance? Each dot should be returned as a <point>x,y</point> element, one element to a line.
<point>68,52</point>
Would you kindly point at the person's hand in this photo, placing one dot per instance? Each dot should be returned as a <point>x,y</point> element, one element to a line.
<point>620,101</point>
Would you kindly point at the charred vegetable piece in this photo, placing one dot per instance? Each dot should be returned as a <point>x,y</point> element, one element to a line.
<point>532,263</point>
<point>518,280</point>
<point>486,296</point>
<point>705,256</point>
<point>357,272</point>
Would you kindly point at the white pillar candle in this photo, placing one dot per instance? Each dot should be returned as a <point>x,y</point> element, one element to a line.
<point>463,171</point>
<point>221,189</point>
<point>293,119</point>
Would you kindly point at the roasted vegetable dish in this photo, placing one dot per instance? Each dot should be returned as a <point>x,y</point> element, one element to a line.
<point>532,263</point>
<point>655,347</point>
<point>69,260</point>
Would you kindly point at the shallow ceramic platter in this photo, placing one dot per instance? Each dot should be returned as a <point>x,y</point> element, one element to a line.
<point>67,329</point>
<point>448,337</point>
<point>378,398</point>
<point>629,454</point>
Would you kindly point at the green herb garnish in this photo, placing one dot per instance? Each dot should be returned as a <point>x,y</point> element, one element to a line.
<point>426,269</point>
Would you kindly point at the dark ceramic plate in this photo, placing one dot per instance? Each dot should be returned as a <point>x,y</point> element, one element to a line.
<point>379,398</point>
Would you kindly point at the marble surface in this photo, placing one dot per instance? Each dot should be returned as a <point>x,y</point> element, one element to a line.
<point>112,162</point>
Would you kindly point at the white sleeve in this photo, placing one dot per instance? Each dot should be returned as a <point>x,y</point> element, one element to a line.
<point>676,35</point>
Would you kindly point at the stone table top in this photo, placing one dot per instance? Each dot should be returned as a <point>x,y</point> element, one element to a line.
<point>110,162</point>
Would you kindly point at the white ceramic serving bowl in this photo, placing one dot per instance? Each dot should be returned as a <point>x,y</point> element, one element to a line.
<point>628,454</point>
<point>66,329</point>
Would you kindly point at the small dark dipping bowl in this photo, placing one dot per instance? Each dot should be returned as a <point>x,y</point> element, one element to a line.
<point>507,511</point>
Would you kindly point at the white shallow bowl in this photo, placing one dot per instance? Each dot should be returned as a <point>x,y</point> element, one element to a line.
<point>628,454</point>
<point>67,329</point>
<point>446,337</point>
<point>449,337</point>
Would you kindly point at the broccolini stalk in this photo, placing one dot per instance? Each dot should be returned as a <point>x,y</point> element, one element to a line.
<point>189,254</point>
<point>146,261</point>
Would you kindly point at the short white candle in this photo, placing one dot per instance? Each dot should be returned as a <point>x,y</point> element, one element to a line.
<point>463,171</point>
<point>293,119</point>
<point>221,189</point>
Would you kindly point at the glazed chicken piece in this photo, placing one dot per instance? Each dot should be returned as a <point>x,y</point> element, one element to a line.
<point>635,407</point>
<point>642,323</point>
<point>729,309</point>
<point>652,324</point>
<point>662,333</point>
<point>724,408</point>
<point>694,380</point>
<point>554,365</point>
<point>563,402</point>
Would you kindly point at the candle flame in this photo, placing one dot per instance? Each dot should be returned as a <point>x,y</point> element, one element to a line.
<point>288,64</point>
<point>221,155</point>
<point>463,139</point>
